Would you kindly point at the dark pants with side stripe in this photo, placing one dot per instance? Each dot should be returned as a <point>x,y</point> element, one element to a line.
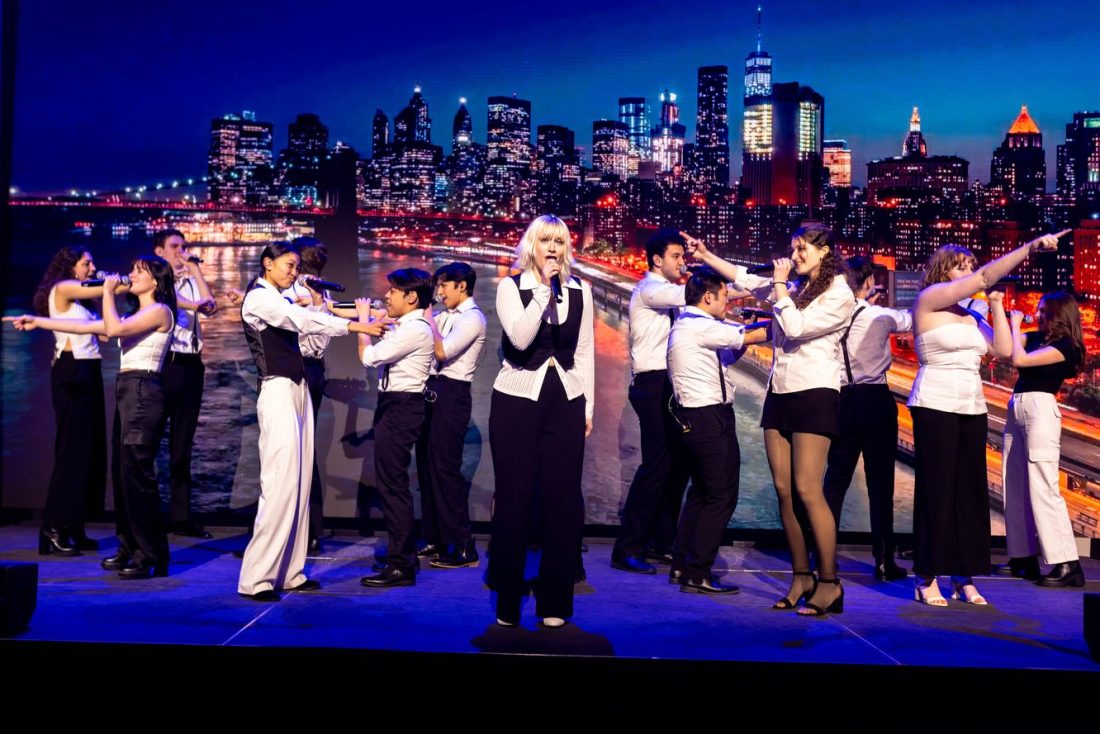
<point>715,483</point>
<point>951,533</point>
<point>139,425</point>
<point>183,386</point>
<point>78,481</point>
<point>868,426</point>
<point>315,380</point>
<point>444,491</point>
<point>657,491</point>
<point>397,423</point>
<point>538,455</point>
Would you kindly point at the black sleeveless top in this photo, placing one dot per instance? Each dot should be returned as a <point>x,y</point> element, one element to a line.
<point>275,350</point>
<point>552,340</point>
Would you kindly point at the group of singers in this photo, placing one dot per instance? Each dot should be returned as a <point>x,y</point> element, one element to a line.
<point>827,404</point>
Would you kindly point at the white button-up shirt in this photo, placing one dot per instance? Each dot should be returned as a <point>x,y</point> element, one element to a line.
<point>266,306</point>
<point>463,331</point>
<point>868,345</point>
<point>405,354</point>
<point>701,350</point>
<point>187,336</point>
<point>521,325</point>
<point>311,345</point>
<point>654,305</point>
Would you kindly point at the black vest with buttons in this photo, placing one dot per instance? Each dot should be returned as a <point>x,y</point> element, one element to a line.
<point>552,340</point>
<point>275,350</point>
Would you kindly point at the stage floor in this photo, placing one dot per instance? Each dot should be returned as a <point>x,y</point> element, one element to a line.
<point>617,614</point>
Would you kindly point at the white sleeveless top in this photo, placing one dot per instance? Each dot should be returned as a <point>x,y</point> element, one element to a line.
<point>84,346</point>
<point>948,378</point>
<point>145,352</point>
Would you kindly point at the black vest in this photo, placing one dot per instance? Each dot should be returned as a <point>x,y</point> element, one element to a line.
<point>275,350</point>
<point>552,340</point>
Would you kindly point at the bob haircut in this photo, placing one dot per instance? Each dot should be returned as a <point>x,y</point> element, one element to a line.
<point>546,225</point>
<point>943,261</point>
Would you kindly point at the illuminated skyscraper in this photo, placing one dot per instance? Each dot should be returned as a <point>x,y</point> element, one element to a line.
<point>837,157</point>
<point>1086,260</point>
<point>918,177</point>
<point>380,132</point>
<point>756,126</point>
<point>1019,166</point>
<point>634,113</point>
<point>239,164</point>
<point>712,131</point>
<point>300,162</point>
<point>413,124</point>
<point>412,176</point>
<point>509,148</point>
<point>667,138</point>
<point>464,169</point>
<point>462,130</point>
<point>1079,158</point>
<point>557,171</point>
<point>611,147</point>
<point>782,166</point>
<point>914,145</point>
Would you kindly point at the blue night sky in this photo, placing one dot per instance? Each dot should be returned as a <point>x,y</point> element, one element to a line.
<point>118,93</point>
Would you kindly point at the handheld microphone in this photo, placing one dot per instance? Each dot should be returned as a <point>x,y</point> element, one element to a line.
<point>750,313</point>
<point>1005,282</point>
<point>555,286</point>
<point>194,259</point>
<point>93,282</point>
<point>760,269</point>
<point>320,285</point>
<point>351,304</point>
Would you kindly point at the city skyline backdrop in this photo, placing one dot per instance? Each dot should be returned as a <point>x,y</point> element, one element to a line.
<point>139,85</point>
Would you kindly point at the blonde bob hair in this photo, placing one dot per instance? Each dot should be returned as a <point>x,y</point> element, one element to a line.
<point>943,261</point>
<point>546,225</point>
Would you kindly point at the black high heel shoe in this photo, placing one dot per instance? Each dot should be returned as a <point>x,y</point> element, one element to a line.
<point>55,541</point>
<point>836,607</point>
<point>785,603</point>
<point>143,569</point>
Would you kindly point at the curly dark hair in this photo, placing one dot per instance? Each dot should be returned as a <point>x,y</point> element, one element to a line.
<point>832,264</point>
<point>59,269</point>
<point>1063,319</point>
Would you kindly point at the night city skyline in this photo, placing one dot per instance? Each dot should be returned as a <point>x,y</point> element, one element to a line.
<point>136,121</point>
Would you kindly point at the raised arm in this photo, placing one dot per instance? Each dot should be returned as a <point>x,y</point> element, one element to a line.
<point>72,290</point>
<point>154,317</point>
<point>29,322</point>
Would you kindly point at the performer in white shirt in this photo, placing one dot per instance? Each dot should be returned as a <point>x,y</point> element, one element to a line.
<point>951,493</point>
<point>458,332</point>
<point>275,557</point>
<point>868,415</point>
<point>541,412</point>
<point>701,349</point>
<point>800,409</point>
<point>184,373</point>
<point>405,358</point>
<point>653,502</point>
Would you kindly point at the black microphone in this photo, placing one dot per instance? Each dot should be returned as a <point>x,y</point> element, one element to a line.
<point>93,282</point>
<point>555,286</point>
<point>750,313</point>
<point>760,269</point>
<point>320,285</point>
<point>351,304</point>
<point>1005,282</point>
<point>194,259</point>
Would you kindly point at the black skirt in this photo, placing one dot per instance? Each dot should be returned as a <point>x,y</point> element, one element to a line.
<point>806,411</point>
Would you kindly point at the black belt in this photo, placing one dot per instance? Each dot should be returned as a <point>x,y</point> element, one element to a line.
<point>185,357</point>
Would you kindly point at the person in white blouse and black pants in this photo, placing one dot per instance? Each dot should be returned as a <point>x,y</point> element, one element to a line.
<point>801,406</point>
<point>275,557</point>
<point>458,332</point>
<point>540,415</point>
<point>701,349</point>
<point>868,415</point>
<point>405,358</point>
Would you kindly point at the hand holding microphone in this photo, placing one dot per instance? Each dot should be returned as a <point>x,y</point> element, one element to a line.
<point>102,278</point>
<point>781,269</point>
<point>551,274</point>
<point>316,284</point>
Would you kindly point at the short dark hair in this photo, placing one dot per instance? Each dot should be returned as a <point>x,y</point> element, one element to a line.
<point>659,241</point>
<point>313,253</point>
<point>414,280</point>
<point>703,281</point>
<point>457,272</point>
<point>274,251</point>
<point>860,268</point>
<point>160,237</point>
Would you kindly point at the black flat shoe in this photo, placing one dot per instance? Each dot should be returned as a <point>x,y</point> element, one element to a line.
<point>652,556</point>
<point>390,576</point>
<point>116,562</point>
<point>431,550</point>
<point>1069,573</point>
<point>55,541</point>
<point>889,572</point>
<point>308,585</point>
<point>143,570</point>
<point>675,576</point>
<point>633,564</point>
<point>707,586</point>
<point>267,595</point>
<point>467,559</point>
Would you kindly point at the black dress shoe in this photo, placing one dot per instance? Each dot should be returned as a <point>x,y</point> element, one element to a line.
<point>55,541</point>
<point>653,556</point>
<point>707,586</point>
<point>143,569</point>
<point>82,541</point>
<point>633,564</point>
<point>116,562</point>
<point>1069,573</point>
<point>675,576</point>
<point>466,559</point>
<point>1025,568</point>
<point>190,529</point>
<point>390,576</point>
<point>889,572</point>
<point>308,585</point>
<point>265,595</point>
<point>431,550</point>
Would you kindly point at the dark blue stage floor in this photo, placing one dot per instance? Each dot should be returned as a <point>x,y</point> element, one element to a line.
<point>618,614</point>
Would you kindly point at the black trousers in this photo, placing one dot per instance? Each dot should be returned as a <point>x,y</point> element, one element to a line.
<point>444,491</point>
<point>78,482</point>
<point>397,422</point>
<point>657,491</point>
<point>715,483</point>
<point>538,454</point>
<point>315,380</point>
<point>183,384</point>
<point>868,426</point>
<point>951,533</point>
<point>139,425</point>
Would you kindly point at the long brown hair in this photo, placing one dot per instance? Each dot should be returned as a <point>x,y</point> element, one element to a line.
<point>832,263</point>
<point>59,269</point>
<point>1063,321</point>
<point>943,261</point>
